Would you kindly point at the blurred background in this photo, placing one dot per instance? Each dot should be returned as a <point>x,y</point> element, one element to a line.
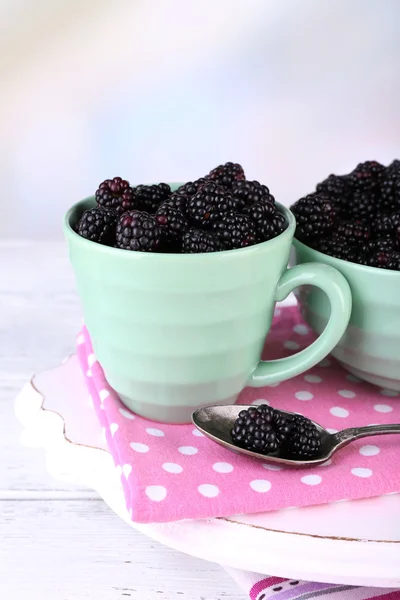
<point>155,90</point>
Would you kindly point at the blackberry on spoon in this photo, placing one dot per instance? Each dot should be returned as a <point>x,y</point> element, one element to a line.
<point>260,429</point>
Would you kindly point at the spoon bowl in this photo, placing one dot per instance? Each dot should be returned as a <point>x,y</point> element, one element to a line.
<point>216,423</point>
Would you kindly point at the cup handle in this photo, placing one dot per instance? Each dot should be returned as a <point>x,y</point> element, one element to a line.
<point>338,291</point>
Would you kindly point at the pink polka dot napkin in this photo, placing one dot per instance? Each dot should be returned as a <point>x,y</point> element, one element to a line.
<point>172,472</point>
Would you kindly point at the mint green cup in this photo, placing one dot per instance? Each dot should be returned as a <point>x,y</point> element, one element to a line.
<point>174,332</point>
<point>370,346</point>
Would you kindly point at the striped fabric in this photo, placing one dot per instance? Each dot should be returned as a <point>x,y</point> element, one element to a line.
<point>259,587</point>
<point>289,589</point>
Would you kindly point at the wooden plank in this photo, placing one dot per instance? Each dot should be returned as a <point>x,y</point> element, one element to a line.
<point>71,550</point>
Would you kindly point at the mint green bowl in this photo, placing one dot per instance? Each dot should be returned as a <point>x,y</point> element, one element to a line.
<point>174,332</point>
<point>370,347</point>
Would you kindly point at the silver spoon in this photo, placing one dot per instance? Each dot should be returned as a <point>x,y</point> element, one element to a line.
<point>216,423</point>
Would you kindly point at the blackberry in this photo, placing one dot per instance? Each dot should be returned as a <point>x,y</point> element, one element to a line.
<point>227,174</point>
<point>149,197</point>
<point>366,175</point>
<point>196,241</point>
<point>98,225</point>
<point>260,429</point>
<point>191,187</point>
<point>383,244</point>
<point>179,201</point>
<point>354,231</point>
<point>278,222</point>
<point>251,192</point>
<point>235,230</point>
<point>380,257</point>
<point>337,187</point>
<point>261,213</point>
<point>363,205</point>
<point>390,187</point>
<point>315,216</point>
<point>338,247</point>
<point>116,194</point>
<point>394,262</point>
<point>173,224</point>
<point>303,439</point>
<point>138,231</point>
<point>395,218</point>
<point>209,204</point>
<point>383,225</point>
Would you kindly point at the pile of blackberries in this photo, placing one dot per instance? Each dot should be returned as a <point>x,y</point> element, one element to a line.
<point>355,217</point>
<point>221,211</point>
<point>266,430</point>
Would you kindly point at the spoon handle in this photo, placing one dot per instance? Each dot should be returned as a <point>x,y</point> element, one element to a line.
<point>346,436</point>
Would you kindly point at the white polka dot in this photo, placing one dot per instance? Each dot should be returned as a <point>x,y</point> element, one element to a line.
<point>337,411</point>
<point>126,413</point>
<point>325,362</point>
<point>313,378</point>
<point>272,467</point>
<point>197,433</point>
<point>389,393</point>
<point>277,312</point>
<point>103,394</point>
<point>172,468</point>
<point>260,401</point>
<point>127,470</point>
<point>113,428</point>
<point>330,430</point>
<point>260,485</point>
<point>304,395</point>
<point>301,329</point>
<point>353,378</point>
<point>346,393</point>
<point>360,472</point>
<point>369,450</point>
<point>155,432</point>
<point>188,450</point>
<point>80,339</point>
<point>208,490</point>
<point>157,493</point>
<point>222,467</point>
<point>91,360</point>
<point>311,479</point>
<point>326,463</point>
<point>89,373</point>
<point>383,408</point>
<point>138,447</point>
<point>291,345</point>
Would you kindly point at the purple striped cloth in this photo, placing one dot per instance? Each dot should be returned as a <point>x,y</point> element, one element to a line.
<point>260,587</point>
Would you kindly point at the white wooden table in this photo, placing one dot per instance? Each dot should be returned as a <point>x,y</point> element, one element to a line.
<point>59,541</point>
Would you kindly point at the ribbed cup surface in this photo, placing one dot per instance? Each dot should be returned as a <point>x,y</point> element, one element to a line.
<point>370,348</point>
<point>175,332</point>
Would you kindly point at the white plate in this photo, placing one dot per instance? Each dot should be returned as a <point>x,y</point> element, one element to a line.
<point>355,542</point>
